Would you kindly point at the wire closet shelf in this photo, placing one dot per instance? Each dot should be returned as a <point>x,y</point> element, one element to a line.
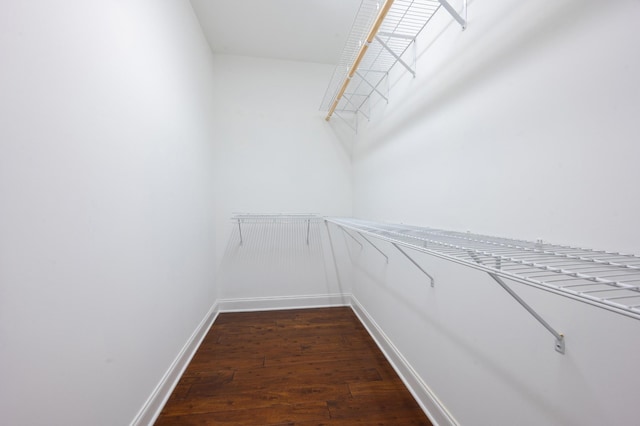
<point>604,279</point>
<point>380,36</point>
<point>305,220</point>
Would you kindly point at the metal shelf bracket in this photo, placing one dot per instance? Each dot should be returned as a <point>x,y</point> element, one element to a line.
<point>333,253</point>
<point>352,237</point>
<point>415,263</point>
<point>603,279</point>
<point>357,108</point>
<point>397,58</point>
<point>353,127</point>
<point>462,20</point>
<point>374,88</point>
<point>560,344</point>
<point>374,246</point>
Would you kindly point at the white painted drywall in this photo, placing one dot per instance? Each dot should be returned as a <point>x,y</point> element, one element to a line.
<point>106,204</point>
<point>275,154</point>
<point>524,125</point>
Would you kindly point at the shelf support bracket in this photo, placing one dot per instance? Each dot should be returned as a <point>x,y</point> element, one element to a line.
<point>559,336</point>
<point>415,263</point>
<point>398,58</point>
<point>240,231</point>
<point>308,229</point>
<point>461,20</point>
<point>345,121</point>
<point>560,343</point>
<point>354,238</point>
<point>348,99</point>
<point>374,246</point>
<point>375,89</point>
<point>333,253</point>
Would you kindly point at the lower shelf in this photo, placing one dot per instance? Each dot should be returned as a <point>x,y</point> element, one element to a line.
<point>604,279</point>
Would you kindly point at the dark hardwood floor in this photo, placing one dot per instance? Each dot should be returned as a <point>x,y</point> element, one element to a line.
<point>294,367</point>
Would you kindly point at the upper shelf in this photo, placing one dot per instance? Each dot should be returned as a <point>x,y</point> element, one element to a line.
<point>604,279</point>
<point>381,34</point>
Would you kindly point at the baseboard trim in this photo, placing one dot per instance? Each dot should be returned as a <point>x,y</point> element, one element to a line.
<point>284,302</point>
<point>153,406</point>
<point>427,400</point>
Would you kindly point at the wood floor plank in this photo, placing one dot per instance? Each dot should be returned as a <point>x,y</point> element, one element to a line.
<point>329,372</point>
<point>364,356</point>
<point>293,367</point>
<point>233,361</point>
<point>276,414</point>
<point>396,409</point>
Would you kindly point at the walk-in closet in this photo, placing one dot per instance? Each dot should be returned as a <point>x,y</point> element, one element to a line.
<point>306,212</point>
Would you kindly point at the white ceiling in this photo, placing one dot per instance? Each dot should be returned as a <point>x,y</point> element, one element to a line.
<point>301,30</point>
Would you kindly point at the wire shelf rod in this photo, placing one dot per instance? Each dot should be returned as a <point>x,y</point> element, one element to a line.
<point>631,274</point>
<point>614,289</point>
<point>582,269</point>
<point>623,297</point>
<point>584,282</point>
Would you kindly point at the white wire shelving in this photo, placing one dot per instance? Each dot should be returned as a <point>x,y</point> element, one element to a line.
<point>270,219</point>
<point>381,35</point>
<point>604,279</point>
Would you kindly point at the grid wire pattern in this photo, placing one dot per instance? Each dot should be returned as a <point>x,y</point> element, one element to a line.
<point>605,279</point>
<point>404,21</point>
<point>360,28</point>
<point>274,218</point>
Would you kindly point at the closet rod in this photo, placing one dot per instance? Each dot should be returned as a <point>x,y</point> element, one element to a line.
<point>363,50</point>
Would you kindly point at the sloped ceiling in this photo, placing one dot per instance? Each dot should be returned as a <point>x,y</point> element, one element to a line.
<point>299,30</point>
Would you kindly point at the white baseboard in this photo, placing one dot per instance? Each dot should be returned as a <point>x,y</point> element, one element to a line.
<point>434,409</point>
<point>284,302</point>
<point>152,407</point>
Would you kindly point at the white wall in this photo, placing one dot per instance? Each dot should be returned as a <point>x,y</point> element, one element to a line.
<point>275,154</point>
<point>116,174</point>
<point>106,204</point>
<point>524,125</point>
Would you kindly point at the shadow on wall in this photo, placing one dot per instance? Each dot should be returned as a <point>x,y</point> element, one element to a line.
<point>484,57</point>
<point>277,257</point>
